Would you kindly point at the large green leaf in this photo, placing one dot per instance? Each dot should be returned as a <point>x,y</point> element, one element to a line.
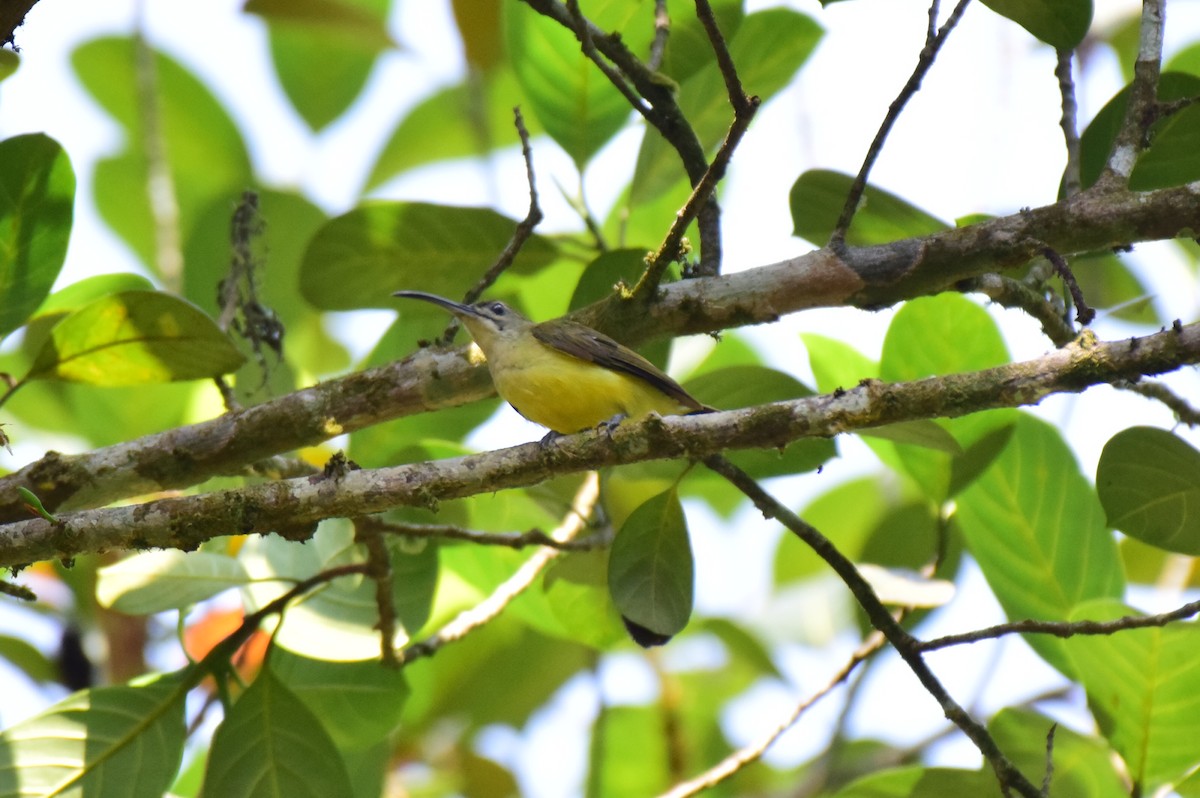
<point>37,195</point>
<point>1172,158</point>
<point>650,568</point>
<point>1059,23</point>
<point>205,153</point>
<point>628,754</point>
<point>816,201</point>
<point>271,745</point>
<point>768,48</point>
<point>135,337</point>
<point>930,336</point>
<point>109,742</point>
<point>359,703</point>
<point>1036,528</point>
<point>344,37</point>
<point>358,259</point>
<point>1082,766</point>
<point>154,581</point>
<point>1143,686</point>
<point>573,100</point>
<point>1149,483</point>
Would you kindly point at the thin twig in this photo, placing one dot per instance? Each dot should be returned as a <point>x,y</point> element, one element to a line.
<point>512,540</point>
<point>739,759</point>
<point>1066,87</point>
<point>1143,100</point>
<point>379,569</point>
<point>1046,779</point>
<point>1173,107</point>
<point>471,619</point>
<point>905,645</point>
<point>1062,629</point>
<point>662,32</point>
<point>1084,313</point>
<point>1184,411</point>
<point>933,43</point>
<point>524,228</point>
<point>703,191</point>
<point>1011,293</point>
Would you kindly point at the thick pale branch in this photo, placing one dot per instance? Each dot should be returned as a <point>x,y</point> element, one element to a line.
<point>429,380</point>
<point>292,507</point>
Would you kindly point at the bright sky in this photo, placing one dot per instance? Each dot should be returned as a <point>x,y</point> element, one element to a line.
<point>993,91</point>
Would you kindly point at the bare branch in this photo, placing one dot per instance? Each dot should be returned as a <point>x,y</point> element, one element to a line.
<point>1011,293</point>
<point>1066,87</point>
<point>512,540</point>
<point>1141,110</point>
<point>1083,312</point>
<point>905,645</point>
<point>431,379</point>
<point>292,507</point>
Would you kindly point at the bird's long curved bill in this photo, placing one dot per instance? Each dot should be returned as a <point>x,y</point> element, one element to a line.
<point>449,304</point>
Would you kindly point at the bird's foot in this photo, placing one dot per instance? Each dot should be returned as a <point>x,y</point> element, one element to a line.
<point>549,438</point>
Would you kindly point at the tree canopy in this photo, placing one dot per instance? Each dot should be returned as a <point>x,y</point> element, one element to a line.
<point>278,561</point>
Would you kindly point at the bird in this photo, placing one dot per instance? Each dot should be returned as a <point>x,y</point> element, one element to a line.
<point>564,375</point>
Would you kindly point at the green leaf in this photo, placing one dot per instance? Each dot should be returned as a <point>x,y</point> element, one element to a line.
<point>37,195</point>
<point>847,514</point>
<point>768,48</point>
<point>205,153</point>
<point>923,432</point>
<point>135,337</point>
<point>345,37</point>
<point>629,754</point>
<point>835,364</point>
<point>576,590</point>
<point>80,293</point>
<point>155,581</point>
<point>271,744</point>
<point>1062,24</point>
<point>359,703</point>
<point>358,259</point>
<point>109,742</point>
<point>816,201</point>
<point>1143,686</point>
<point>1032,520</point>
<point>1149,483</point>
<point>930,336</point>
<point>27,658</point>
<point>688,46</point>
<point>471,118</point>
<point>1083,766</point>
<point>650,567</point>
<point>1110,285</point>
<point>479,28</point>
<point>573,100</point>
<point>9,62</point>
<point>1172,158</point>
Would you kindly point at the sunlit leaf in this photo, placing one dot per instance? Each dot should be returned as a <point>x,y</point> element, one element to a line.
<point>816,201</point>
<point>916,781</point>
<point>1149,483</point>
<point>1143,686</point>
<point>650,567</point>
<point>37,194</point>
<point>154,581</point>
<point>108,742</point>
<point>271,744</point>
<point>1032,519</point>
<point>135,337</point>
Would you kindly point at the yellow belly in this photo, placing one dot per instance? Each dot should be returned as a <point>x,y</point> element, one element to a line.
<point>567,394</point>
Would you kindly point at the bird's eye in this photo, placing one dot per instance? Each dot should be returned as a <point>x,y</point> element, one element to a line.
<point>499,309</point>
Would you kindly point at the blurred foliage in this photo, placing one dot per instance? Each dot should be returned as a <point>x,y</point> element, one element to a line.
<point>305,703</point>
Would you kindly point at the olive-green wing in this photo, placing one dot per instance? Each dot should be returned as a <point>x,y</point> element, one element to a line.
<point>587,344</point>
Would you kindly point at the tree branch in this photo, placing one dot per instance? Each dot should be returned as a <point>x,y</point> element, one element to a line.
<point>867,277</point>
<point>1142,107</point>
<point>293,507</point>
